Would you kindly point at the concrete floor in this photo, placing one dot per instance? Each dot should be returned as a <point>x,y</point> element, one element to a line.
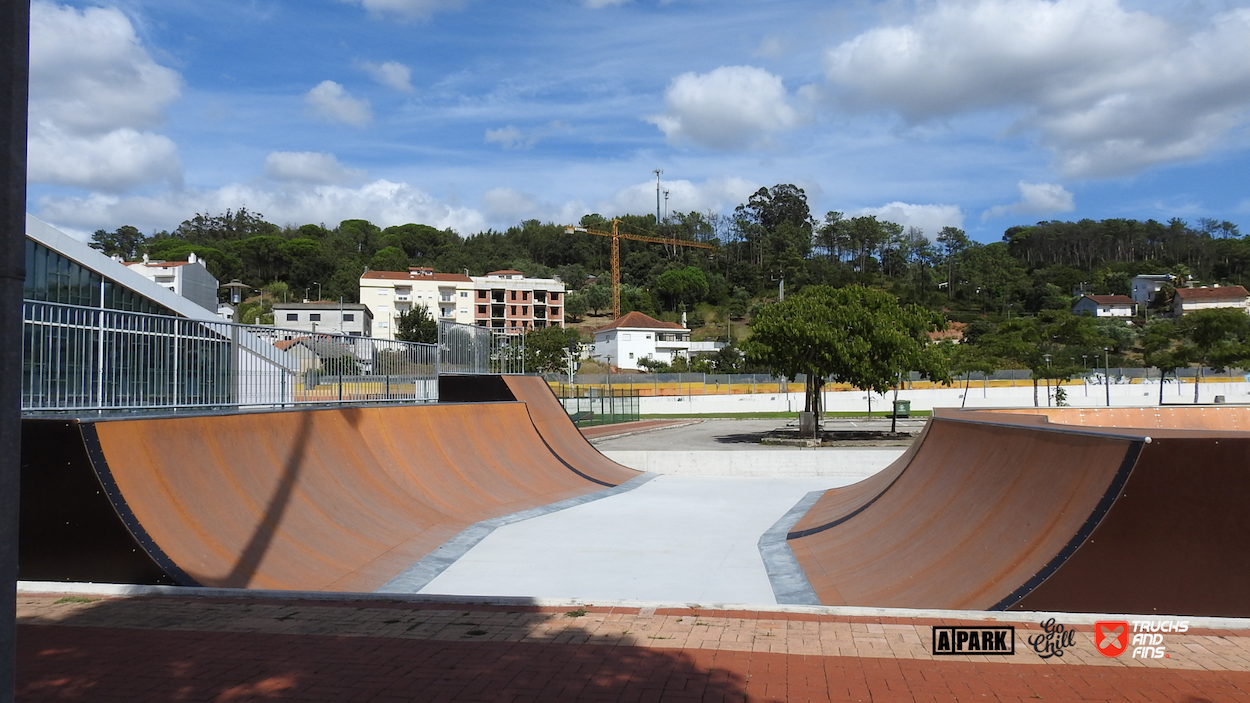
<point>721,434</point>
<point>674,539</point>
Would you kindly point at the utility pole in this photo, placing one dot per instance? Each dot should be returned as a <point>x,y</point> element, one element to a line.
<point>14,82</point>
<point>666,206</point>
<point>657,173</point>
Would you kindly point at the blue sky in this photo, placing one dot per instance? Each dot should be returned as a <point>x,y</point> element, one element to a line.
<point>476,114</point>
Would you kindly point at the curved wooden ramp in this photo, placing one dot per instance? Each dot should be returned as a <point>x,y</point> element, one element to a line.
<point>336,499</point>
<point>998,511</point>
<point>561,435</point>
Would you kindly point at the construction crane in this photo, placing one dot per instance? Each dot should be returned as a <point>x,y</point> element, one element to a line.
<point>617,236</point>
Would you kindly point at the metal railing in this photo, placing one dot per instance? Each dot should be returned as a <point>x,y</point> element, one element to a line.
<point>469,349</point>
<point>91,359</point>
<point>594,407</point>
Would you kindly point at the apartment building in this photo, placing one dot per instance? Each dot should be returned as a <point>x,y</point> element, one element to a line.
<point>506,301</point>
<point>509,302</point>
<point>390,294</point>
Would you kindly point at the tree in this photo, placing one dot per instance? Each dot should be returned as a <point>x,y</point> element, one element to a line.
<point>687,285</point>
<point>1216,337</point>
<point>126,242</point>
<point>851,335</point>
<point>1158,343</point>
<point>546,348</point>
<point>598,297</point>
<point>574,305</point>
<point>954,242</point>
<point>417,325</point>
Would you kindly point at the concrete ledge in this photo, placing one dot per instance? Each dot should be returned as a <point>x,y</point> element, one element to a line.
<point>844,463</point>
<point>135,591</point>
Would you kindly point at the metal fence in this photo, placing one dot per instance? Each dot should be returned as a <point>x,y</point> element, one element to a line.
<point>91,359</point>
<point>469,349</point>
<point>591,407</point>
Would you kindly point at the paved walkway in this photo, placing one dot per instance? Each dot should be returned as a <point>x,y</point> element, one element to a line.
<point>201,649</point>
<point>674,538</point>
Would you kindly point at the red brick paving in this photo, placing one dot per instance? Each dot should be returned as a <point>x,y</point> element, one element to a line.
<point>181,649</point>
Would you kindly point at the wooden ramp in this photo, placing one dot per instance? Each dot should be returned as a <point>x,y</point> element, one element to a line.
<point>1010,511</point>
<point>333,499</point>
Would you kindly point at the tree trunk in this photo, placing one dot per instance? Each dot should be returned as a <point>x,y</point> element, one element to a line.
<point>1035,404</point>
<point>1162,376</point>
<point>964,400</point>
<point>1197,382</point>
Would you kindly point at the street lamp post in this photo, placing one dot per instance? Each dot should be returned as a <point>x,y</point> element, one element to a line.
<point>1047,358</point>
<point>1106,373</point>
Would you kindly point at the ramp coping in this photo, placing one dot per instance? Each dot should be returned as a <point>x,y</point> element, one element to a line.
<point>789,581</point>
<point>137,591</point>
<point>420,574</point>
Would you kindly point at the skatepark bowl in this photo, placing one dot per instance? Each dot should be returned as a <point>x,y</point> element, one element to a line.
<point>1093,511</point>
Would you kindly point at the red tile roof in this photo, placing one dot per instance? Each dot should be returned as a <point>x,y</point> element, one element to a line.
<point>1112,299</point>
<point>638,320</point>
<point>415,276</point>
<point>1221,293</point>
<point>508,271</point>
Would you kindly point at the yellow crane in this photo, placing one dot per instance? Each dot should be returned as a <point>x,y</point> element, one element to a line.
<point>617,236</point>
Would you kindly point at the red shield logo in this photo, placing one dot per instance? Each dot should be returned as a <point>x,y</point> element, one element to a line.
<point>1111,638</point>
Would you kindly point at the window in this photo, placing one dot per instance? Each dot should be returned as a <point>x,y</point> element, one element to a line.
<point>464,294</point>
<point>481,295</point>
<point>631,355</point>
<point>626,338</point>
<point>525,295</point>
<point>555,296</point>
<point>514,295</point>
<point>292,317</point>
<point>349,317</point>
<point>525,309</point>
<point>314,317</point>
<point>481,309</point>
<point>648,336</point>
<point>514,307</point>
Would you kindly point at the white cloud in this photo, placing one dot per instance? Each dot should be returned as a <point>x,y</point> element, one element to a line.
<point>308,167</point>
<point>408,9</point>
<point>332,102</point>
<point>505,206</point>
<point>510,138</point>
<point>114,161</point>
<point>382,202</point>
<point>716,194</point>
<point>1110,91</point>
<point>1035,199</point>
<point>392,74</point>
<point>731,107</point>
<point>930,218</point>
<point>94,92</point>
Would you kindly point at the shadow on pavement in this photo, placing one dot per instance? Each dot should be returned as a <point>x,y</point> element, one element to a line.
<point>81,658</point>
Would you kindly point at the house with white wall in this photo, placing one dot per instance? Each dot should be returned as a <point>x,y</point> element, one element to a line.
<point>389,294</point>
<point>189,278</point>
<point>1144,287</point>
<point>635,336</point>
<point>1106,306</point>
<point>327,317</point>
<point>1194,299</point>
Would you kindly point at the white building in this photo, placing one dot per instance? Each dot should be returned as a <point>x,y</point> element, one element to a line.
<point>506,301</point>
<point>389,294</point>
<point>189,278</point>
<point>327,317</point>
<point>1193,299</point>
<point>1146,285</point>
<point>636,336</point>
<point>1106,306</point>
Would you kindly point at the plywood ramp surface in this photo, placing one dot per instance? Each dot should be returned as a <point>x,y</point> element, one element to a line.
<point>337,499</point>
<point>1011,511</point>
<point>1201,417</point>
<point>559,432</point>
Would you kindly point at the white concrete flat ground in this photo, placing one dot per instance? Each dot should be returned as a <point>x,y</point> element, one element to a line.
<point>675,539</point>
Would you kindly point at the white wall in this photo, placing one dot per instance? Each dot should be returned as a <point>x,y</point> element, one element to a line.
<point>1122,395</point>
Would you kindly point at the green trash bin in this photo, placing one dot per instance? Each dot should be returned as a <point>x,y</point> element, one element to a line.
<point>902,408</point>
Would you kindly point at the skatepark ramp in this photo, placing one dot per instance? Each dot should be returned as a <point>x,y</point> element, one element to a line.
<point>338,499</point>
<point>1014,511</point>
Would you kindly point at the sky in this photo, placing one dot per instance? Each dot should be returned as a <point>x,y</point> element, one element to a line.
<point>478,114</point>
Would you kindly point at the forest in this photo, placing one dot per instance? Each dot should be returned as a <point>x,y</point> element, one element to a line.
<point>770,241</point>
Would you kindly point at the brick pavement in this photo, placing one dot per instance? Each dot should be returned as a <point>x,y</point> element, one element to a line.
<point>212,649</point>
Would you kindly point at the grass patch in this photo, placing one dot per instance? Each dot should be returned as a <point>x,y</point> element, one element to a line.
<point>74,599</point>
<point>579,613</point>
